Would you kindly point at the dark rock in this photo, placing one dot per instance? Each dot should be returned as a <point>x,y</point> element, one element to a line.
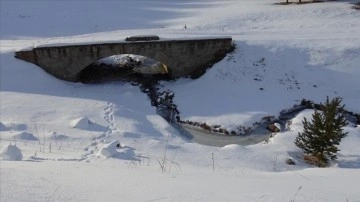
<point>274,127</point>
<point>216,126</point>
<point>268,118</point>
<point>205,126</point>
<point>290,162</point>
<point>306,103</point>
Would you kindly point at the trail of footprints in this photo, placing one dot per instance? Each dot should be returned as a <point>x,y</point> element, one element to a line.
<point>98,141</point>
<point>109,117</point>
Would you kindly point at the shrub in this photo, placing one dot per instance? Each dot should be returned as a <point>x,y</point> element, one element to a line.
<point>322,135</point>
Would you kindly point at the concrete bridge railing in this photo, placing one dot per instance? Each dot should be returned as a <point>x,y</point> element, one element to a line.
<point>183,57</point>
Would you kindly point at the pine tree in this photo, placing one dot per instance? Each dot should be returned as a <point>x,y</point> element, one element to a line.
<point>322,135</point>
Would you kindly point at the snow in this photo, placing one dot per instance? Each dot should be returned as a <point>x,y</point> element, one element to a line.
<point>278,126</point>
<point>284,54</point>
<point>11,153</point>
<point>82,123</point>
<point>25,136</point>
<point>115,150</point>
<point>3,127</point>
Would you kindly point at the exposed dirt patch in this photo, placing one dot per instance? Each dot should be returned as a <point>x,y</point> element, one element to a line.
<point>315,161</point>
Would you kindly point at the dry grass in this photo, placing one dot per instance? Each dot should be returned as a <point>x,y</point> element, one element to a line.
<point>315,161</point>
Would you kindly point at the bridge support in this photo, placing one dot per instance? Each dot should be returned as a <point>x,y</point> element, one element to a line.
<point>183,57</point>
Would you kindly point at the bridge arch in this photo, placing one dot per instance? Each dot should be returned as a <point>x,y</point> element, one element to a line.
<point>126,67</point>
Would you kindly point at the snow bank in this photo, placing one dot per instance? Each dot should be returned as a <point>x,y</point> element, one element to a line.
<point>81,123</point>
<point>296,123</point>
<point>109,150</point>
<point>3,127</point>
<point>25,136</point>
<point>11,153</point>
<point>278,126</point>
<point>114,150</point>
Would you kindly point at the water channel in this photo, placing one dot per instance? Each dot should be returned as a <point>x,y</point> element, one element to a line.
<point>204,137</point>
<point>135,69</point>
<point>167,110</point>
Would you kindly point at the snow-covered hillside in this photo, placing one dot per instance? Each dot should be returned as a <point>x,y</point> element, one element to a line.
<point>105,142</point>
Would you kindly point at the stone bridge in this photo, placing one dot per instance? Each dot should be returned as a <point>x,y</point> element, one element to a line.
<point>183,57</point>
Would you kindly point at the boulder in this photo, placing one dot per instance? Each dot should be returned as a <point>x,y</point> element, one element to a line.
<point>290,162</point>
<point>274,127</point>
<point>205,126</point>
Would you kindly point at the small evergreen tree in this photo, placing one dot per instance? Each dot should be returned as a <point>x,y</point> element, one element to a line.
<point>322,135</point>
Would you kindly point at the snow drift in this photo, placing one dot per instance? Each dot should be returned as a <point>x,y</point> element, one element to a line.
<point>81,123</point>
<point>11,153</point>
<point>25,136</point>
<point>115,150</point>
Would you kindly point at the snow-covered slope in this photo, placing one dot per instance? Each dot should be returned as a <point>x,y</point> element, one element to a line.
<point>283,54</point>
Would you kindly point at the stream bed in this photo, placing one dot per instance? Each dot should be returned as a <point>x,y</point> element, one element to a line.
<point>204,137</point>
<point>147,74</point>
<point>163,101</point>
<point>136,73</point>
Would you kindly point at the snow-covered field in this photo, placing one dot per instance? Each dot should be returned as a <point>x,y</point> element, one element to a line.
<point>105,142</point>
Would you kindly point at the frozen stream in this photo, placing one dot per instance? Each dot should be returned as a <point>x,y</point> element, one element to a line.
<point>204,137</point>
<point>147,73</point>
